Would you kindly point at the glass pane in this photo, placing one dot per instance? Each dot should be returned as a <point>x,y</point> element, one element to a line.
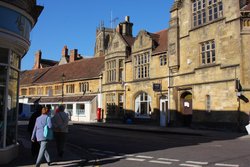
<point>2,101</point>
<point>12,108</point>
<point>144,108</point>
<point>14,22</point>
<point>208,57</point>
<point>4,54</point>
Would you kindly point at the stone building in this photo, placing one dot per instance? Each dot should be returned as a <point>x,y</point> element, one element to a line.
<point>17,20</point>
<point>195,73</point>
<point>208,58</point>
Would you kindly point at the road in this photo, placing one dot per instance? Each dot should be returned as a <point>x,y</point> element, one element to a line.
<point>123,148</point>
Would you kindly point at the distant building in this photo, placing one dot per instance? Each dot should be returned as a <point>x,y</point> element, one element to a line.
<point>74,81</point>
<point>17,20</point>
<point>195,73</point>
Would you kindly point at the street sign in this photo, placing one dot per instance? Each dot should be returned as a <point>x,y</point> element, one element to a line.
<point>157,87</point>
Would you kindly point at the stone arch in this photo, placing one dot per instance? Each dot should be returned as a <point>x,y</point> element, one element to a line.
<point>186,108</point>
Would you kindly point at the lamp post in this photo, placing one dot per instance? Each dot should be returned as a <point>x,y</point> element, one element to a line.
<point>63,78</point>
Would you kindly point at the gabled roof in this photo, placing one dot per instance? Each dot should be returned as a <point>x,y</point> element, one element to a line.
<point>28,77</point>
<point>161,38</point>
<point>47,63</point>
<point>129,40</point>
<point>86,68</point>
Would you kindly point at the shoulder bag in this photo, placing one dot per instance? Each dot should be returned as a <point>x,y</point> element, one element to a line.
<point>47,132</point>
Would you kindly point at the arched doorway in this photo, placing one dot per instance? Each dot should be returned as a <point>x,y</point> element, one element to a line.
<point>163,111</point>
<point>186,108</point>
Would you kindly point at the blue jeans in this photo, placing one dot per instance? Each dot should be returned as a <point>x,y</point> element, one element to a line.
<point>42,152</point>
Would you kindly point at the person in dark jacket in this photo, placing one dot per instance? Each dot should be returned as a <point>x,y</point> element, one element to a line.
<point>60,126</point>
<point>35,146</point>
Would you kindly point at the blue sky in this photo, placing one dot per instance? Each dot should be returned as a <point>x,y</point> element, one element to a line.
<point>74,22</point>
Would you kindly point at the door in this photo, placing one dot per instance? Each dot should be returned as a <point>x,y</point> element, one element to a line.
<point>163,111</point>
<point>187,109</point>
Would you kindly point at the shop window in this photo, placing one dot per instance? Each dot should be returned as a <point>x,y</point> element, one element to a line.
<point>110,102</point>
<point>143,105</point>
<point>80,109</point>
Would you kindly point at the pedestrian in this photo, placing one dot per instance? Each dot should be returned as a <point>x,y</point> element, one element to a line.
<point>38,134</point>
<point>35,146</point>
<point>60,128</point>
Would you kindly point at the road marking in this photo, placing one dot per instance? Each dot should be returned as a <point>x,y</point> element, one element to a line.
<point>168,159</point>
<point>190,165</point>
<point>160,162</point>
<point>226,165</point>
<point>107,159</point>
<point>135,159</point>
<point>129,155</point>
<point>143,156</point>
<point>197,163</point>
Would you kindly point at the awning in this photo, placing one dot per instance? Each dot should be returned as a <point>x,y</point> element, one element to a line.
<point>59,99</point>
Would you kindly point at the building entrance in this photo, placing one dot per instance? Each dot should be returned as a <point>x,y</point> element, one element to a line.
<point>186,108</point>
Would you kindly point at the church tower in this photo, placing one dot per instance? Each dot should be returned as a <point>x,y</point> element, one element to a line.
<point>103,38</point>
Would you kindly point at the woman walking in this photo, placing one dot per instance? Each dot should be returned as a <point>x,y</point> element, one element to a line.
<point>38,134</point>
<point>60,127</point>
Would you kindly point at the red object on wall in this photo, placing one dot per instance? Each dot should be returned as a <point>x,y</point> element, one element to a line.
<point>99,114</point>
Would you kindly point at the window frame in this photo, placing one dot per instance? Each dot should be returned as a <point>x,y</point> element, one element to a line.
<point>208,52</point>
<point>141,65</point>
<point>206,11</point>
<point>143,100</point>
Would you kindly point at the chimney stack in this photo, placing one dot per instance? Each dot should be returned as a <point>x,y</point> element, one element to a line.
<point>38,56</point>
<point>65,51</point>
<point>125,28</point>
<point>73,55</point>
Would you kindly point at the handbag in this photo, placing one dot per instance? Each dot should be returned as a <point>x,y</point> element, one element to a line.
<point>248,128</point>
<point>47,132</point>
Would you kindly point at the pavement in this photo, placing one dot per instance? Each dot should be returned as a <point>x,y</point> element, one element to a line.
<point>74,156</point>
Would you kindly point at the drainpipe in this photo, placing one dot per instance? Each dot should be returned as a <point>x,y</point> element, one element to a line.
<point>168,121</point>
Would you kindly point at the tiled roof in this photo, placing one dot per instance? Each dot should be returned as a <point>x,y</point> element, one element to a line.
<point>59,99</point>
<point>86,68</point>
<point>47,63</point>
<point>246,7</point>
<point>28,77</point>
<point>161,38</point>
<point>130,40</point>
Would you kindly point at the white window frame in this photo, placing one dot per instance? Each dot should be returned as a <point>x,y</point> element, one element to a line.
<point>143,98</point>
